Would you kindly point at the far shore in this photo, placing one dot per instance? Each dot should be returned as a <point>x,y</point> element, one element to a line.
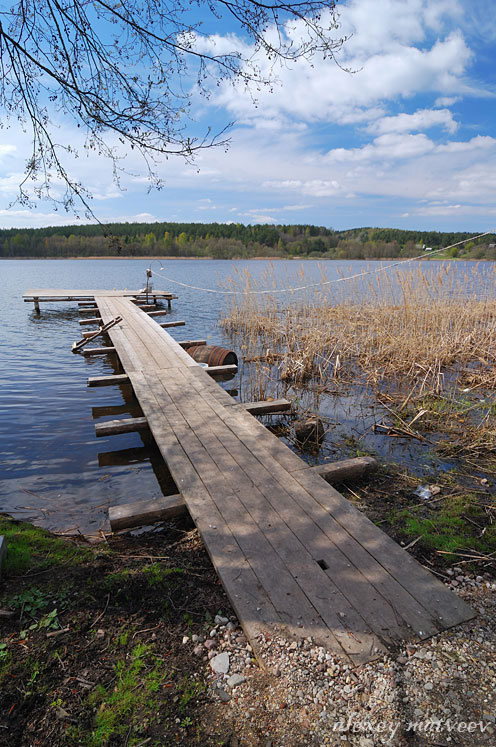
<point>161,258</point>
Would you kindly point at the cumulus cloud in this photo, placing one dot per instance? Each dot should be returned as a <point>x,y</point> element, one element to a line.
<point>394,53</point>
<point>422,119</point>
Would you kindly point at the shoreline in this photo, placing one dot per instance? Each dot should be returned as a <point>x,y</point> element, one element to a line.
<point>255,259</point>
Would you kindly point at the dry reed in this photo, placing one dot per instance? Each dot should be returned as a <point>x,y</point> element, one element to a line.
<point>415,329</point>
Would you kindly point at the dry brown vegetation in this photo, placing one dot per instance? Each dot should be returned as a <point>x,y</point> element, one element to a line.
<point>422,340</point>
<point>412,328</point>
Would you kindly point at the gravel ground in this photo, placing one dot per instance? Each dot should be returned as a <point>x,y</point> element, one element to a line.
<point>438,692</point>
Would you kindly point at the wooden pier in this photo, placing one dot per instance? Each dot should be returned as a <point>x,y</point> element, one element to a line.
<point>295,557</point>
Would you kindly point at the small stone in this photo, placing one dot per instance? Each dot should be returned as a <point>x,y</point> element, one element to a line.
<point>219,620</point>
<point>220,663</point>
<point>185,639</point>
<point>198,650</point>
<point>210,644</point>
<point>213,632</point>
<point>195,638</point>
<point>225,697</point>
<point>293,646</point>
<point>402,660</point>
<point>235,680</point>
<point>428,686</point>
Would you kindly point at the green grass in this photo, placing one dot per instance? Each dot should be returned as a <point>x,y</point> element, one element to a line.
<point>129,704</point>
<point>457,525</point>
<point>32,549</point>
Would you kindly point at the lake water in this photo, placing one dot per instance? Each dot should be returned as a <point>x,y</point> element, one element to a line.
<point>52,468</point>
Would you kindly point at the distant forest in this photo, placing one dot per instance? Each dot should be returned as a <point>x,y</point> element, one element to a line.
<point>234,240</point>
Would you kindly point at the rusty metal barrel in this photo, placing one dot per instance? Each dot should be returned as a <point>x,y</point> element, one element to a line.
<point>213,355</point>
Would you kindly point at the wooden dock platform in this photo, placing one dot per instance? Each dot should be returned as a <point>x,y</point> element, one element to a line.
<point>295,557</point>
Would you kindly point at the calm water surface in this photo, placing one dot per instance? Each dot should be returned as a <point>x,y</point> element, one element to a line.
<point>52,468</point>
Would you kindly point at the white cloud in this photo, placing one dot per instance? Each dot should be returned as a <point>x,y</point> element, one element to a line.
<point>7,149</point>
<point>422,119</point>
<point>394,56</point>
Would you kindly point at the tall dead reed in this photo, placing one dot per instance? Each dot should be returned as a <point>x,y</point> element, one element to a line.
<point>415,329</point>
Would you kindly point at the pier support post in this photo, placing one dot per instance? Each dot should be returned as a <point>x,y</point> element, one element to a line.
<point>36,302</point>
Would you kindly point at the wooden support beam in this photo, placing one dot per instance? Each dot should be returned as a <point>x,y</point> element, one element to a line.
<point>265,408</point>
<point>217,370</point>
<point>146,512</point>
<point>3,550</point>
<point>36,302</point>
<point>125,425</point>
<point>161,312</point>
<point>190,343</point>
<point>171,324</point>
<point>346,470</point>
<point>98,351</point>
<point>146,306</point>
<point>108,380</point>
<point>85,335</point>
<point>87,305</point>
<point>50,299</point>
<point>94,320</point>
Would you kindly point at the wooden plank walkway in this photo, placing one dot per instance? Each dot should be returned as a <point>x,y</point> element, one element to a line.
<point>88,294</point>
<point>293,555</point>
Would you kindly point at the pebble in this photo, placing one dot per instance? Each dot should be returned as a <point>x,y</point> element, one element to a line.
<point>221,620</point>
<point>423,680</point>
<point>220,663</point>
<point>235,680</point>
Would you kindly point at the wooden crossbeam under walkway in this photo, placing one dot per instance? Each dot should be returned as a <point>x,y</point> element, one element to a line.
<point>294,556</point>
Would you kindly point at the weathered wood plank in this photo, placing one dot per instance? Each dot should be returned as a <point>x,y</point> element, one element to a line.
<point>142,513</point>
<point>266,407</point>
<point>89,294</point>
<point>108,380</point>
<point>98,351</point>
<point>253,606</point>
<point>125,425</point>
<point>3,551</point>
<point>428,591</point>
<point>270,524</point>
<point>297,561</point>
<point>94,320</point>
<point>346,469</point>
<point>165,325</point>
<point>159,312</point>
<point>219,370</point>
<point>190,343</point>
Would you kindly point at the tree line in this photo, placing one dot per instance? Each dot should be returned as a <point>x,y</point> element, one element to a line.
<point>235,240</point>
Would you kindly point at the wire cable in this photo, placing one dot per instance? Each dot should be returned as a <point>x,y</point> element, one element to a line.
<point>375,271</point>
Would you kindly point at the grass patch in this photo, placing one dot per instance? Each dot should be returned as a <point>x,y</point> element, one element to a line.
<point>32,549</point>
<point>460,524</point>
<point>128,705</point>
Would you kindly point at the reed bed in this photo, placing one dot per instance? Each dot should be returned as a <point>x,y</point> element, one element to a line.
<point>413,330</point>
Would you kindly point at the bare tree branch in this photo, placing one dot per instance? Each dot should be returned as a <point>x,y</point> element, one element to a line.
<point>126,69</point>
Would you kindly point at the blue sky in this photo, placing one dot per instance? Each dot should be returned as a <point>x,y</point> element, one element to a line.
<point>407,141</point>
